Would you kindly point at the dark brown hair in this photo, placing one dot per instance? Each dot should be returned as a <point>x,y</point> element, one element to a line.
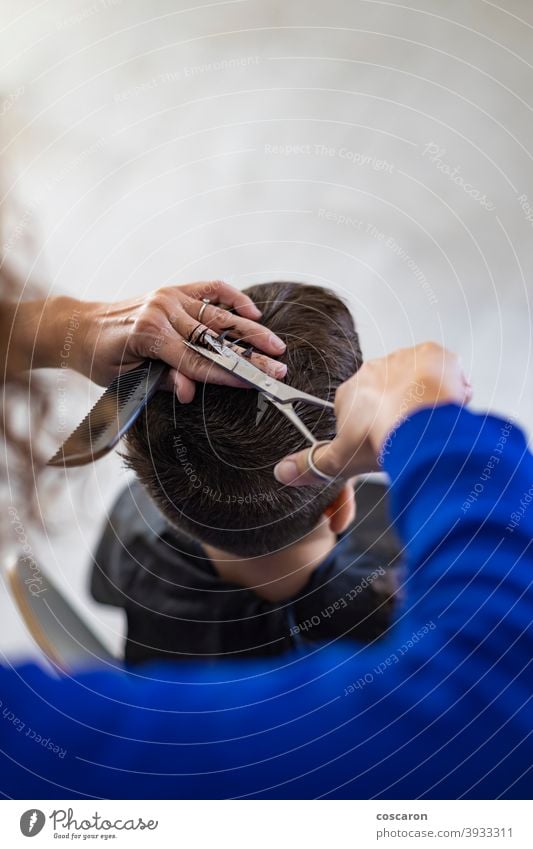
<point>209,466</point>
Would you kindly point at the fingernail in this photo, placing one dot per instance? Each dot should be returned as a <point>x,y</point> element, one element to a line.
<point>280,370</point>
<point>257,311</point>
<point>286,471</point>
<point>276,342</point>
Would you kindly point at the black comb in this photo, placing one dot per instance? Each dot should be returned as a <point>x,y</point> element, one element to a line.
<point>111,416</point>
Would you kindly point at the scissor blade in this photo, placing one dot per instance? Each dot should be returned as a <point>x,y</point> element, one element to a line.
<point>232,361</point>
<point>262,404</point>
<point>290,413</point>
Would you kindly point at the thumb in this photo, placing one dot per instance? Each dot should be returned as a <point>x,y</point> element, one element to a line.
<point>294,470</point>
<point>174,381</point>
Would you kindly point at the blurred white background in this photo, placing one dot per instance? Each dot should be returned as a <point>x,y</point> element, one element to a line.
<point>380,148</point>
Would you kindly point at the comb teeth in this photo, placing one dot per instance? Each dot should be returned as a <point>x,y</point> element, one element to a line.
<point>116,395</point>
<point>111,416</point>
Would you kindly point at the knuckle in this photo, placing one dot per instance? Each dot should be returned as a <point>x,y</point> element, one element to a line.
<point>188,303</point>
<point>262,362</point>
<point>195,291</point>
<point>268,366</point>
<point>430,347</point>
<point>221,317</point>
<point>157,300</point>
<point>144,324</point>
<point>160,293</point>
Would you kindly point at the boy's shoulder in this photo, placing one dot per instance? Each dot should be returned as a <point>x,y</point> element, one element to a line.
<point>140,554</point>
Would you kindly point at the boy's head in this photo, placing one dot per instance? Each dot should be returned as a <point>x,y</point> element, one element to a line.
<point>209,466</point>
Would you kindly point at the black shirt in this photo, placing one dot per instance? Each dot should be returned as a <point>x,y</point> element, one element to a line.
<point>178,607</point>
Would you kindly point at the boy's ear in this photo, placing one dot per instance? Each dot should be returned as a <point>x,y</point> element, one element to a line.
<point>341,512</point>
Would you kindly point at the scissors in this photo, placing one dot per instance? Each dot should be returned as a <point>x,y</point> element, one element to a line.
<point>272,391</point>
<point>129,393</point>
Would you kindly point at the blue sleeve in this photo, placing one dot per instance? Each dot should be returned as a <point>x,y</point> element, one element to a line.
<point>440,709</point>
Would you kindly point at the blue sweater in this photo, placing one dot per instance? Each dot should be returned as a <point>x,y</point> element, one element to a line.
<point>442,709</point>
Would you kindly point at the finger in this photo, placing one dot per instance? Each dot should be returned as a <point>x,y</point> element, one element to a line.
<point>262,362</point>
<point>220,292</point>
<point>468,393</point>
<point>294,470</point>
<point>183,387</point>
<point>192,365</point>
<point>466,386</point>
<point>173,351</point>
<point>199,368</point>
<point>219,319</point>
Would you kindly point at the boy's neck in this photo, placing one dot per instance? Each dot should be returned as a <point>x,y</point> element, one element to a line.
<point>277,576</point>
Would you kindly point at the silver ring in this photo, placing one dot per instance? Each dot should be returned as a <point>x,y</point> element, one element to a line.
<point>205,302</point>
<point>311,462</point>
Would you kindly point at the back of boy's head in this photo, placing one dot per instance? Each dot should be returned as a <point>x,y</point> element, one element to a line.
<point>209,466</point>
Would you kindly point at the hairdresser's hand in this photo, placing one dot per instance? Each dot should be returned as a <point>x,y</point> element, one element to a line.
<point>118,336</point>
<point>373,403</point>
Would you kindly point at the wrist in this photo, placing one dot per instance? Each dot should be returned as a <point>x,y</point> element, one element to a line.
<point>423,396</point>
<point>57,334</point>
<point>77,326</point>
<point>35,328</point>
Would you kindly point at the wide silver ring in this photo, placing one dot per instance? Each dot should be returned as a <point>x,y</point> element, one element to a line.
<point>205,302</point>
<point>311,462</point>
